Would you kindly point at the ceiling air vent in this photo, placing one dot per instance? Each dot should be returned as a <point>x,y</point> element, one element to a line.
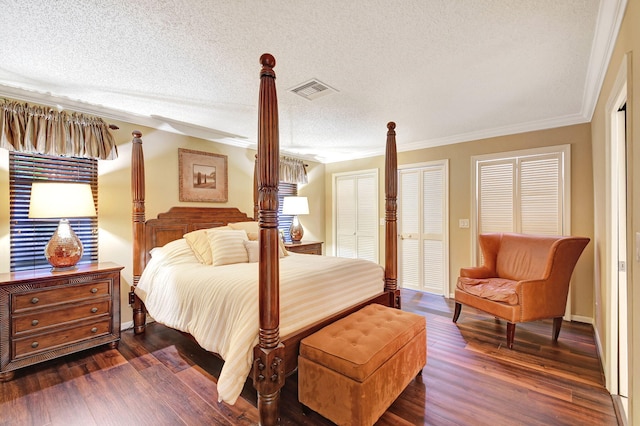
<point>312,89</point>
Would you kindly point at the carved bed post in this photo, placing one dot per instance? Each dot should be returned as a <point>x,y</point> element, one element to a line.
<point>255,189</point>
<point>137,195</point>
<point>391,216</point>
<point>268,364</point>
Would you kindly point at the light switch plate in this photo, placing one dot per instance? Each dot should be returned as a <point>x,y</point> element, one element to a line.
<point>463,223</point>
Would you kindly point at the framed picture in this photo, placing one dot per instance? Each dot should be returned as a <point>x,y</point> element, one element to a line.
<point>203,176</point>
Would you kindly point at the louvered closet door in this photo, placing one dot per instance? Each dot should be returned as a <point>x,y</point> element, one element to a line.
<point>522,194</point>
<point>422,224</point>
<point>356,215</point>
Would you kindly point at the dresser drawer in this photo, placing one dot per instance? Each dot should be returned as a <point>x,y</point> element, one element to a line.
<point>38,320</point>
<point>56,296</point>
<point>47,341</point>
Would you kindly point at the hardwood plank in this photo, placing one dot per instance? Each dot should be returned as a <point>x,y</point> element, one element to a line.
<point>204,385</point>
<point>165,378</point>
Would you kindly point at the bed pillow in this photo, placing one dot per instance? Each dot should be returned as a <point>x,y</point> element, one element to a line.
<point>199,243</point>
<point>227,246</point>
<point>253,232</point>
<point>253,251</point>
<point>177,251</point>
<point>251,228</point>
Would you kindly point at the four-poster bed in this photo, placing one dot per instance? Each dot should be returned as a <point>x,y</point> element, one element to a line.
<point>273,356</point>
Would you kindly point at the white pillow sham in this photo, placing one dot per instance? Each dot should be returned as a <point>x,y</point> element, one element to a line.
<point>177,251</point>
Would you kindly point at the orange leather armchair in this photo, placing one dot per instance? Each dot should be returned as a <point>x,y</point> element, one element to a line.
<point>523,278</point>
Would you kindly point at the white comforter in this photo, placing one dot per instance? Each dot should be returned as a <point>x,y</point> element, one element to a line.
<point>218,305</point>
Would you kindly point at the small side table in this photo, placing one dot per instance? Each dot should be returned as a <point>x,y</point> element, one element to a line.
<point>305,247</point>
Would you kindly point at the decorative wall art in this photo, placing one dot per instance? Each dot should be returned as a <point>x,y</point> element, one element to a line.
<point>203,176</point>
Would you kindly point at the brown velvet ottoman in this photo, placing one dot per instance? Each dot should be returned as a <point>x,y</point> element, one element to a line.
<point>352,370</point>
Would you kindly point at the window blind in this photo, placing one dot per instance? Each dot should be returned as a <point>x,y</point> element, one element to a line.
<point>284,221</point>
<point>28,237</point>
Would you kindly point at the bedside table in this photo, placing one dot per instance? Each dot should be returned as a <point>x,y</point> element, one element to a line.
<point>45,314</point>
<point>305,247</point>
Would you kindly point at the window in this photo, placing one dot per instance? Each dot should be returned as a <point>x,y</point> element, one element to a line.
<point>284,221</point>
<point>28,237</point>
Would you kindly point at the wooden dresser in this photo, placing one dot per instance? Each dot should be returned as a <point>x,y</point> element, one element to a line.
<point>305,247</point>
<point>45,314</point>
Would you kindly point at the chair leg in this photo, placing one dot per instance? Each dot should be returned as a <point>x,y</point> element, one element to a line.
<point>557,324</point>
<point>456,312</point>
<point>511,333</point>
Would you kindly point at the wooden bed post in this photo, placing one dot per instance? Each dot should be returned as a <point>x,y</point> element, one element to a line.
<point>255,189</point>
<point>137,195</point>
<point>268,364</point>
<point>391,216</point>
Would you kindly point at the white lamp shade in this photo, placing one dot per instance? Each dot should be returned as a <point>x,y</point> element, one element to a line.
<point>295,206</point>
<point>61,200</point>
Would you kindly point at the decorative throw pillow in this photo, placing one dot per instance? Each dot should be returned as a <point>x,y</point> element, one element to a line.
<point>199,243</point>
<point>253,250</point>
<point>227,246</point>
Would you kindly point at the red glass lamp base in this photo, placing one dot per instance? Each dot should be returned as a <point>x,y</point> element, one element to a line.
<point>64,249</point>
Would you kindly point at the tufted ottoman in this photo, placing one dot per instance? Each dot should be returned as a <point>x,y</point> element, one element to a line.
<point>352,370</point>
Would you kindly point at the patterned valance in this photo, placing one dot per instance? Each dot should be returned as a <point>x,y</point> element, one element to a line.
<point>292,170</point>
<point>44,130</point>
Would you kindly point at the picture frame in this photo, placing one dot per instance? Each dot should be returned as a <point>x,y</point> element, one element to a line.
<point>203,176</point>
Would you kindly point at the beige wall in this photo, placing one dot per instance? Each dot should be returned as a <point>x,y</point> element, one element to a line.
<point>628,43</point>
<point>459,156</point>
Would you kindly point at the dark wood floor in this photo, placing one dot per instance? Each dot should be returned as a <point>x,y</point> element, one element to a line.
<point>163,378</point>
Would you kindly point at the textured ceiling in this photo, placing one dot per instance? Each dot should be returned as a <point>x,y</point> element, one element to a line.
<point>445,71</point>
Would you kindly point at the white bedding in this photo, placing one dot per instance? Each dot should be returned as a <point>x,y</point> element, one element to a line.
<point>218,305</point>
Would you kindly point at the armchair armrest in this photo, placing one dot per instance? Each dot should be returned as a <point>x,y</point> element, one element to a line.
<point>477,272</point>
<point>541,299</point>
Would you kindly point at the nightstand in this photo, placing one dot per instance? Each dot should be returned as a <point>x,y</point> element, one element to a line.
<point>305,247</point>
<point>45,314</point>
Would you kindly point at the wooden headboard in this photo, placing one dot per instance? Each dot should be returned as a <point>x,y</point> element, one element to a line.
<point>172,225</point>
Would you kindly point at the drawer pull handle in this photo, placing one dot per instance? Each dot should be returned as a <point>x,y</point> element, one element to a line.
<point>94,310</point>
<point>35,300</point>
<point>94,329</point>
<point>34,345</point>
<point>35,322</point>
<point>94,290</point>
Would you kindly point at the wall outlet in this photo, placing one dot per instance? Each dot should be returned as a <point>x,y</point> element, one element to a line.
<point>463,223</point>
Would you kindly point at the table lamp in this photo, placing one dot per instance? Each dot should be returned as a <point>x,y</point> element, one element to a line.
<point>295,206</point>
<point>62,200</point>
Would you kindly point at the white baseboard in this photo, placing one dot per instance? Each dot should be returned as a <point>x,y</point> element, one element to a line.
<point>579,318</point>
<point>126,325</point>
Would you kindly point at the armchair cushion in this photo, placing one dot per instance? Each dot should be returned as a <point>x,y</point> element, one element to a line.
<point>496,289</point>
